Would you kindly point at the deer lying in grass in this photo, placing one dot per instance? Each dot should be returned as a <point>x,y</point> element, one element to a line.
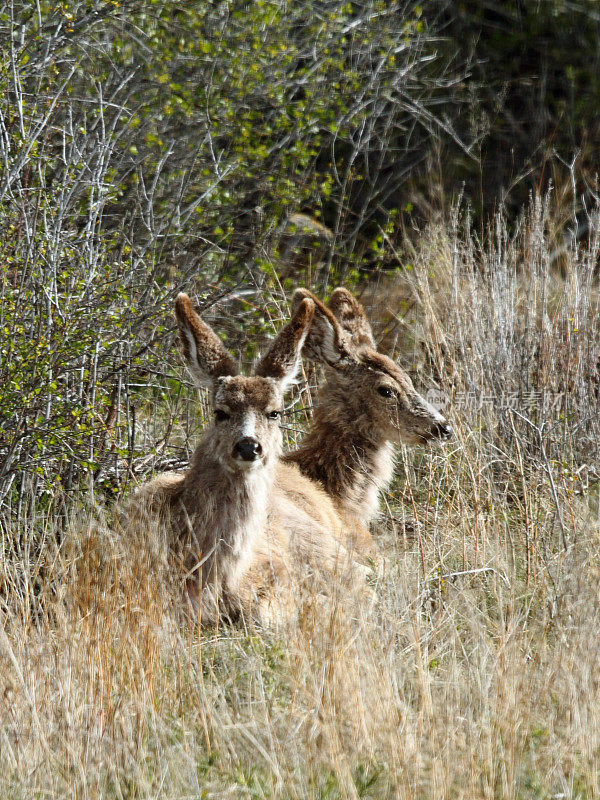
<point>238,539</point>
<point>367,406</point>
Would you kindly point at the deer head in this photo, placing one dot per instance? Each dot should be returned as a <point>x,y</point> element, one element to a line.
<point>366,387</point>
<point>245,433</point>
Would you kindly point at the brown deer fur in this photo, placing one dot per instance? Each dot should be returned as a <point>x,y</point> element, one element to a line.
<point>367,406</point>
<point>239,521</point>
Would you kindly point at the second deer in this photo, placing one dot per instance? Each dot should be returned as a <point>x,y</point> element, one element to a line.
<point>367,406</point>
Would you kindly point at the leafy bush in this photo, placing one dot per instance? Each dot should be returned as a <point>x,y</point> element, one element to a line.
<point>154,146</point>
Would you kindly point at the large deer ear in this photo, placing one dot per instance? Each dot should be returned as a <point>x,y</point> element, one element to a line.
<point>352,317</point>
<point>283,358</point>
<point>204,352</point>
<point>327,342</point>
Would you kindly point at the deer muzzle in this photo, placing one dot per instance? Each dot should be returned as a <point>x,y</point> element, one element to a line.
<point>247,449</point>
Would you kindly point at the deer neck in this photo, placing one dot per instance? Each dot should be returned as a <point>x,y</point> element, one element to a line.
<point>225,514</point>
<point>351,459</point>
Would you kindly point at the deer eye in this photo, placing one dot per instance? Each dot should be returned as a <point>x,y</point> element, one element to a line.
<point>385,391</point>
<point>221,415</point>
<point>273,414</point>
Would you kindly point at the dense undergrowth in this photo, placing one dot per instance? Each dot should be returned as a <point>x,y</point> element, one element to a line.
<point>234,151</point>
<point>475,674</point>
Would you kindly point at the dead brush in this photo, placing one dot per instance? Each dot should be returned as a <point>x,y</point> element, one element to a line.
<point>476,675</point>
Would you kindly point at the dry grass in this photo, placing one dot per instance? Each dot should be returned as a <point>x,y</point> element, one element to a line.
<point>475,685</point>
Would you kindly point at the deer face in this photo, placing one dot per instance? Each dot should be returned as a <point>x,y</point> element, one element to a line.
<point>367,387</point>
<point>246,416</point>
<point>245,434</point>
<point>382,398</point>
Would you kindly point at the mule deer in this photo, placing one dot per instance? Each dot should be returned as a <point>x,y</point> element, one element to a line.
<point>238,537</point>
<point>367,406</point>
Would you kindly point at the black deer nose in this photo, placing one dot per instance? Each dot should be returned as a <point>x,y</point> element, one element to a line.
<point>247,449</point>
<point>442,430</point>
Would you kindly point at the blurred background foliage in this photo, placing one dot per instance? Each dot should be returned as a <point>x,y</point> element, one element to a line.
<point>534,85</point>
<point>234,149</point>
